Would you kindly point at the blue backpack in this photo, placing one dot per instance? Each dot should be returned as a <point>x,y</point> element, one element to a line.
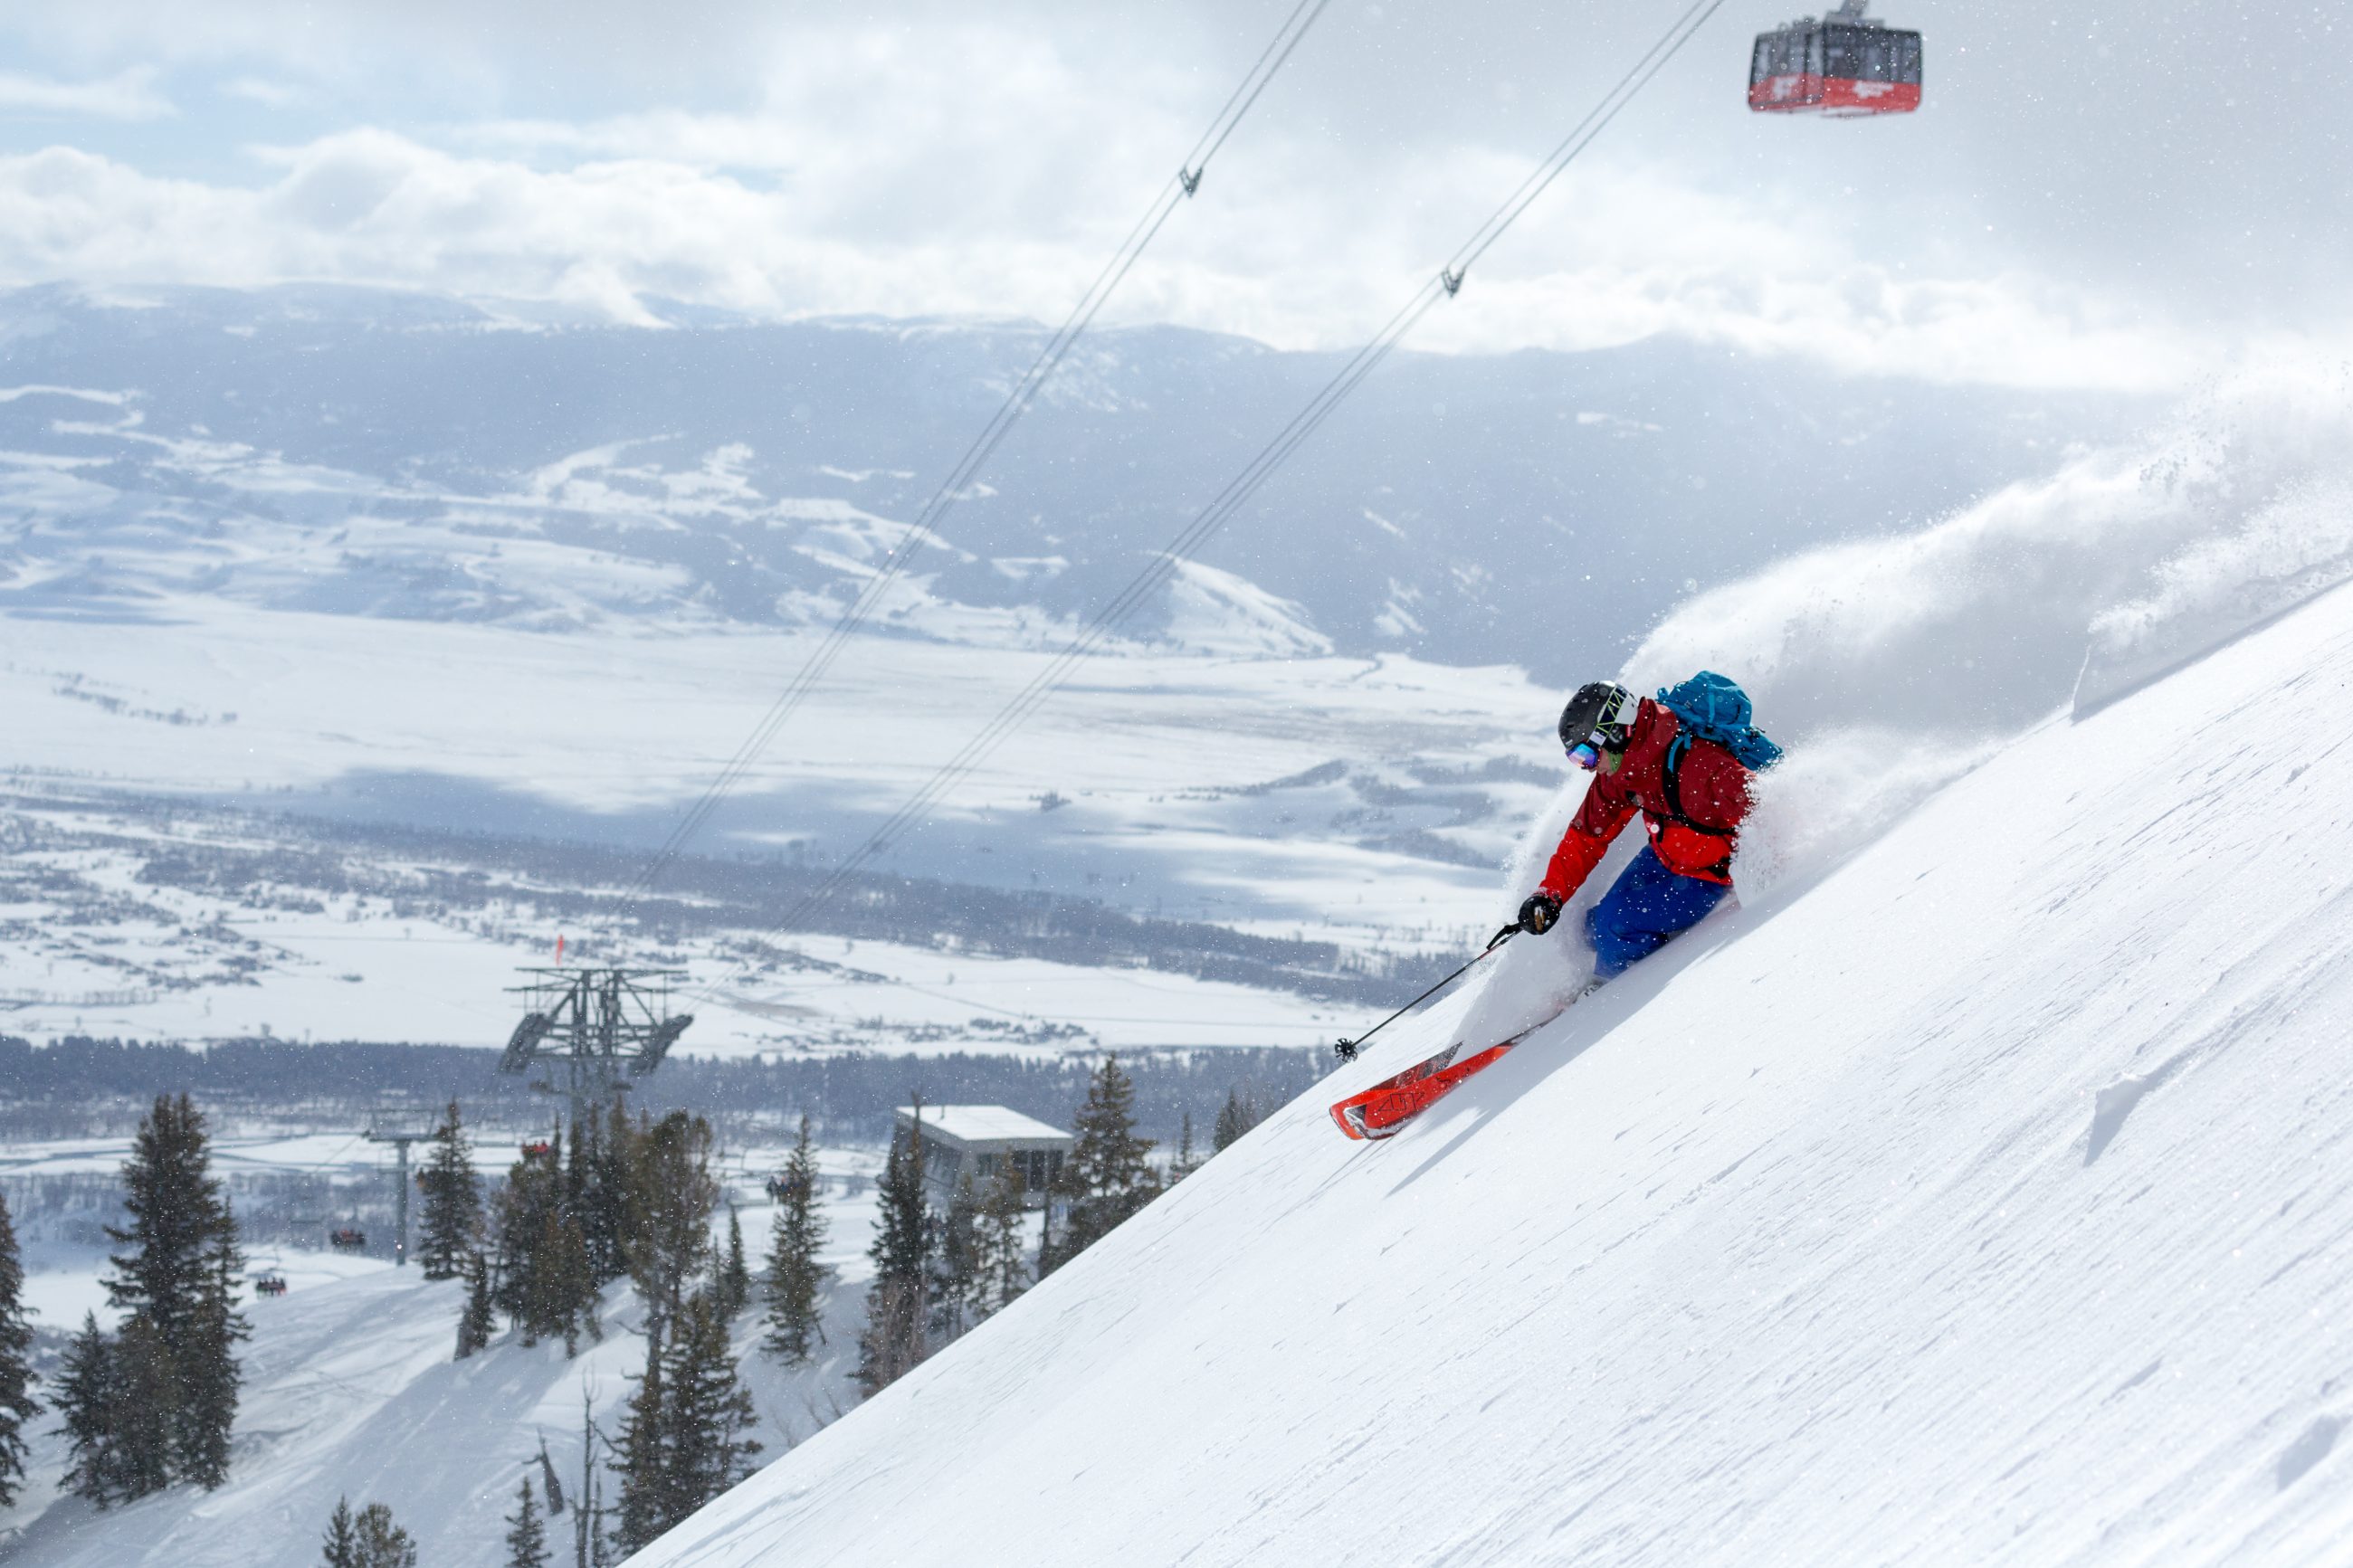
<point>1711,708</point>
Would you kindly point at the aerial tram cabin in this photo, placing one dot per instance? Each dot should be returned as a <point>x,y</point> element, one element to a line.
<point>1844,65</point>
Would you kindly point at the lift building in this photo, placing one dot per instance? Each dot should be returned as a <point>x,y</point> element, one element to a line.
<point>977,1141</point>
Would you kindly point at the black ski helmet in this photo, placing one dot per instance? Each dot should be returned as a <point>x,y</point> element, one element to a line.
<point>1601,713</point>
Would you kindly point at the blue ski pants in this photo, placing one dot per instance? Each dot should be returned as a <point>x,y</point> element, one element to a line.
<point>1648,905</point>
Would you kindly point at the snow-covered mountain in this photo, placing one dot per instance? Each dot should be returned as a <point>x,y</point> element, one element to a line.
<point>376,453</point>
<point>1977,1197</point>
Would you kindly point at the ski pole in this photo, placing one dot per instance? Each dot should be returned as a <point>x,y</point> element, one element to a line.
<point>1345,1048</point>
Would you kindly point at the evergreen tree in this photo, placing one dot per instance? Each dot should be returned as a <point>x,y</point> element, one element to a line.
<point>595,1190</point>
<point>526,1536</point>
<point>87,1404</point>
<point>544,1280</point>
<point>175,1361</point>
<point>343,1541</point>
<point>16,1403</point>
<point>688,1436</point>
<point>381,1543</point>
<point>735,1275</point>
<point>954,1284</point>
<point>453,1201</point>
<point>559,1299</point>
<point>644,1472</point>
<point>479,1319</point>
<point>146,1409</point>
<point>1187,1161</point>
<point>1108,1176</point>
<point>671,1194</point>
<point>707,1443</point>
<point>1002,1271</point>
<point>532,1194</point>
<point>176,1213</point>
<point>208,1374</point>
<point>894,1344</point>
<point>1239,1115</point>
<point>796,1279</point>
<point>1049,1246</point>
<point>602,1153</point>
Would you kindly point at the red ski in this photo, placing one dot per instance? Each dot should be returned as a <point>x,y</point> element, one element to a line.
<point>1383,1109</point>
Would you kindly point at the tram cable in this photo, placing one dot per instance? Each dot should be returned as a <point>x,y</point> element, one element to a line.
<point>1243,486</point>
<point>958,482</point>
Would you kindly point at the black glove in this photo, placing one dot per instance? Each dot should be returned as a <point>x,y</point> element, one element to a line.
<point>1538,913</point>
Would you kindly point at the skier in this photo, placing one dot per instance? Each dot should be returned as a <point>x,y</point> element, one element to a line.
<point>1683,761</point>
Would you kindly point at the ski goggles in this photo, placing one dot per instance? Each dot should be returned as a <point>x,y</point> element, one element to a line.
<point>1585,755</point>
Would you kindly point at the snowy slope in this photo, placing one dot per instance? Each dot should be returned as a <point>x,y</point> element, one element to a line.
<point>350,1391</point>
<point>1984,1199</point>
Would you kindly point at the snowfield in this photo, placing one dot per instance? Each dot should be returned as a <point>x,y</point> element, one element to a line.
<point>1984,1198</point>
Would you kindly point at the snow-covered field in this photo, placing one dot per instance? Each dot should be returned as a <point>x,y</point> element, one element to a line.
<point>1983,1199</point>
<point>101,949</point>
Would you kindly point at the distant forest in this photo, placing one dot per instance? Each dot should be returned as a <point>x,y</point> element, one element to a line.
<point>92,1087</point>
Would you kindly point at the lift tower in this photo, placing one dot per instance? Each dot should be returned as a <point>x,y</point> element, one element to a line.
<point>400,1129</point>
<point>596,1029</point>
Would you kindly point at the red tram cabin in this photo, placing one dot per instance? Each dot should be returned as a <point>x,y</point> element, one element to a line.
<point>1844,65</point>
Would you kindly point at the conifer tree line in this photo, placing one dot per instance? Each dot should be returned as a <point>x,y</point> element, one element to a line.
<point>938,1275</point>
<point>368,1539</point>
<point>605,1198</point>
<point>154,1403</point>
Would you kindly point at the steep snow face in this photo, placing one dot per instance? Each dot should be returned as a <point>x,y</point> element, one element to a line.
<point>1984,1199</point>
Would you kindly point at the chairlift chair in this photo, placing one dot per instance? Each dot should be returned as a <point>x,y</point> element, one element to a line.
<point>1842,66</point>
<point>782,1187</point>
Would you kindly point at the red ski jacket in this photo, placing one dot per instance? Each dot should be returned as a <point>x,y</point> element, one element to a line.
<point>1693,817</point>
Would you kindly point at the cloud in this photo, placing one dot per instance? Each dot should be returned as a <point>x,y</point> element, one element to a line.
<point>2088,203</point>
<point>762,222</point>
<point>127,95</point>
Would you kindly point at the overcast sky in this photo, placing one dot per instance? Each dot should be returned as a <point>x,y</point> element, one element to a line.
<point>2103,193</point>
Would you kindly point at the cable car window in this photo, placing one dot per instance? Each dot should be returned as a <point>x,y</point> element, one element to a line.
<point>1907,69</point>
<point>1813,66</point>
<point>1845,47</point>
<point>1760,64</point>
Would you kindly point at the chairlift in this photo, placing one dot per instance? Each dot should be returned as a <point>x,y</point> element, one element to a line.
<point>1842,66</point>
<point>270,1285</point>
<point>347,1238</point>
<point>782,1187</point>
<point>539,1150</point>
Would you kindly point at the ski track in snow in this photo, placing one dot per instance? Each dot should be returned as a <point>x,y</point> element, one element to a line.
<point>1985,1199</point>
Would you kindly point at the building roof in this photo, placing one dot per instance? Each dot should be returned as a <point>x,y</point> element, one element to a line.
<point>982,1123</point>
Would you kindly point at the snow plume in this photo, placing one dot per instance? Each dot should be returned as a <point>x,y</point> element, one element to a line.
<point>1890,666</point>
